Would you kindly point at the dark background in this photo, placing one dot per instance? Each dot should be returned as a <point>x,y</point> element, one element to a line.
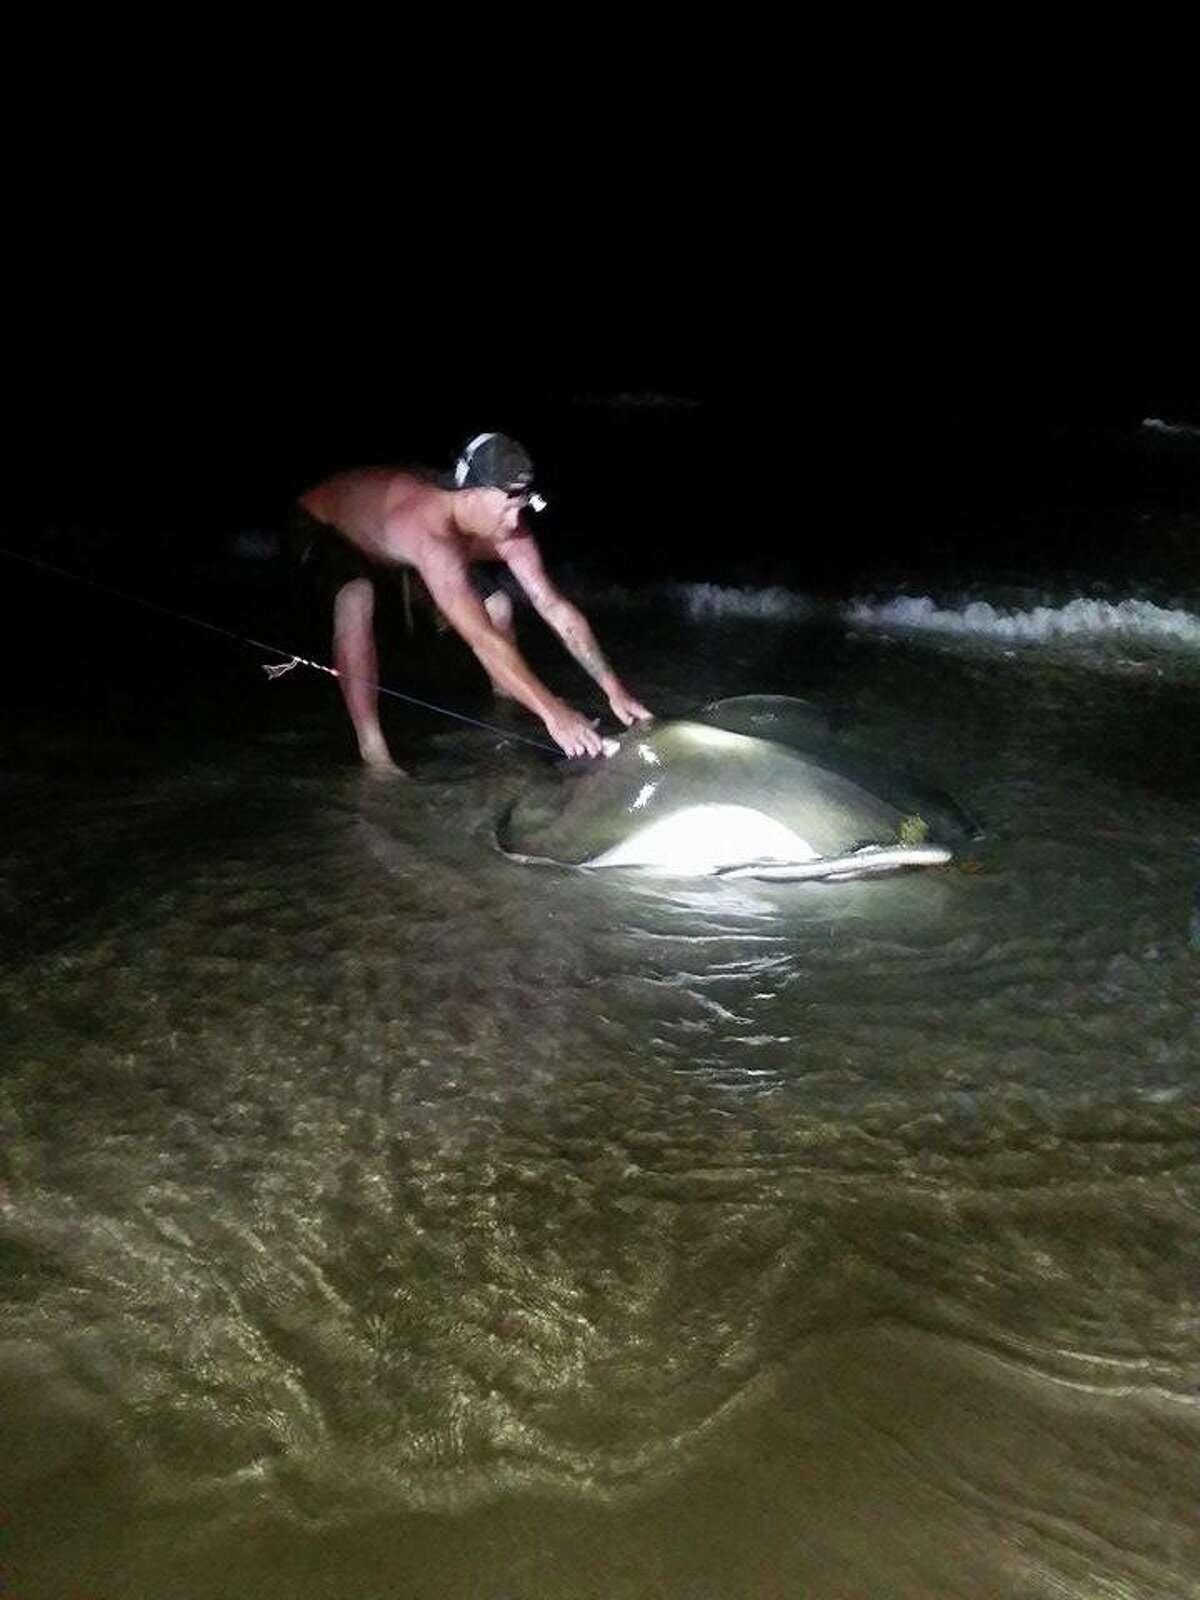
<point>921,286</point>
<point>804,427</point>
<point>705,399</point>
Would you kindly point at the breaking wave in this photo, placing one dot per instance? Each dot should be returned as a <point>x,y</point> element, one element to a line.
<point>705,602</point>
<point>1078,620</point>
<point>1176,430</point>
<point>1019,619</point>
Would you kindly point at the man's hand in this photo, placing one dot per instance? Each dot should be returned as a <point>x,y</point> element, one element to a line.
<point>626,709</point>
<point>573,733</point>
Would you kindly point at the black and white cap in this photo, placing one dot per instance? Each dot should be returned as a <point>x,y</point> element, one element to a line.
<point>494,461</point>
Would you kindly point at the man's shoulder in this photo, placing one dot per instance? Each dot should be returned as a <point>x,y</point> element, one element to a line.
<point>406,476</point>
<point>417,501</point>
<point>420,529</point>
<point>401,479</point>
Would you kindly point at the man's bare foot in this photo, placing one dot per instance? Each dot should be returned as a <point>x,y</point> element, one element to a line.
<point>377,758</point>
<point>385,768</point>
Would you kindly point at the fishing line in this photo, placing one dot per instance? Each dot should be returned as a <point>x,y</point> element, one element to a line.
<point>272,671</point>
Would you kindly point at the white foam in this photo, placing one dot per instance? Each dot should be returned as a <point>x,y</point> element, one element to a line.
<point>707,601</point>
<point>1188,430</point>
<point>1077,620</point>
<point>702,602</point>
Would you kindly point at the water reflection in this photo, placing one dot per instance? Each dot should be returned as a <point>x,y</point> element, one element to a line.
<point>354,1176</point>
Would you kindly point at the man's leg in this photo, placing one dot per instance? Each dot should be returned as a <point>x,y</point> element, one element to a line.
<point>500,608</point>
<point>358,669</point>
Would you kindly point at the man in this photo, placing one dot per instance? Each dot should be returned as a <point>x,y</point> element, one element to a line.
<point>441,527</point>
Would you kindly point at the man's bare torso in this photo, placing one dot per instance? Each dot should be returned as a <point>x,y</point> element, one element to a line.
<point>383,512</point>
<point>392,515</point>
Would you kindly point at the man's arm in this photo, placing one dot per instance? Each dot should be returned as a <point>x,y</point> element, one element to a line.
<point>446,577</point>
<point>524,561</point>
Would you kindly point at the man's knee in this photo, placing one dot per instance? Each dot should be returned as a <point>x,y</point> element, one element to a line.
<point>499,607</point>
<point>354,604</point>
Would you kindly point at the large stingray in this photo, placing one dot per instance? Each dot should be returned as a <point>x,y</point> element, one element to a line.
<point>752,787</point>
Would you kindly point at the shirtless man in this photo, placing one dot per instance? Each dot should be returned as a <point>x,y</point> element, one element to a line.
<point>441,527</point>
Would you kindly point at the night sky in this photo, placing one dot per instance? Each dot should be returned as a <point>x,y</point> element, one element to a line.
<point>196,387</point>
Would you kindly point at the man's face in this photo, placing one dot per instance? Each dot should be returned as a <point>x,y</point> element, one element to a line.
<point>499,512</point>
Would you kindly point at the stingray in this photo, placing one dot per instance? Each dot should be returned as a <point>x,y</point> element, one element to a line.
<point>758,786</point>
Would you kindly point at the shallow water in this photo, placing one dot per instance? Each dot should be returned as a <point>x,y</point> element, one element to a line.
<point>383,1218</point>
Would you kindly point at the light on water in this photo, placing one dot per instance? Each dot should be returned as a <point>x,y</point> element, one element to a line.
<point>383,1218</point>
<point>683,844</point>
